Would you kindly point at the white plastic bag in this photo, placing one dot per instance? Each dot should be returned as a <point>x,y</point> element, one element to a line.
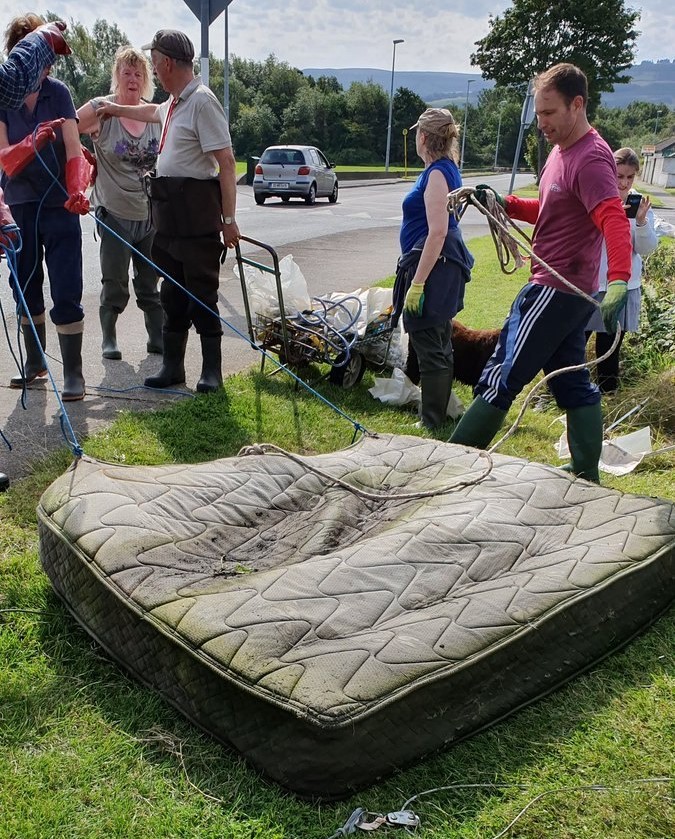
<point>398,390</point>
<point>374,301</point>
<point>620,455</point>
<point>664,228</point>
<point>262,289</point>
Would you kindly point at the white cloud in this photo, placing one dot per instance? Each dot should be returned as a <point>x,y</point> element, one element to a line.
<point>439,35</point>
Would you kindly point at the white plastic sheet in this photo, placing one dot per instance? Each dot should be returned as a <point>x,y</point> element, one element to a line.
<point>373,302</point>
<point>620,455</point>
<point>262,289</point>
<point>399,390</point>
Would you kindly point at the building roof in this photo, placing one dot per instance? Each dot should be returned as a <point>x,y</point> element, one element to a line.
<point>664,144</point>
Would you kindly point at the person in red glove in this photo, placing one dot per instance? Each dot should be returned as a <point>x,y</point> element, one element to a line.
<point>578,204</point>
<point>41,159</point>
<point>23,70</point>
<point>21,74</point>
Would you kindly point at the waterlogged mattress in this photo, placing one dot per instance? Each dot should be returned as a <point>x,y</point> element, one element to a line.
<point>332,639</point>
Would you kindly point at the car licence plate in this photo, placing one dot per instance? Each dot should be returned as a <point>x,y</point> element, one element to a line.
<point>279,184</point>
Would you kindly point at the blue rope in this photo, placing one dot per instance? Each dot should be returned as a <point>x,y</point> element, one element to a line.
<point>357,425</point>
<point>66,425</point>
<point>64,419</point>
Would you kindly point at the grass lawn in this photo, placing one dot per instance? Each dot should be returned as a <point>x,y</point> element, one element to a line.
<point>87,753</point>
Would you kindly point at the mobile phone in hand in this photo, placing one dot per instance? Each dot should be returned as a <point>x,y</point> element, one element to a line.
<point>633,201</point>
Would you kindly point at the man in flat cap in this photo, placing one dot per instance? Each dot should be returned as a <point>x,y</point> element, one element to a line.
<point>193,198</point>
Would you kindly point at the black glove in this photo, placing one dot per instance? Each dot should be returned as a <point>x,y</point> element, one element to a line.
<point>480,194</point>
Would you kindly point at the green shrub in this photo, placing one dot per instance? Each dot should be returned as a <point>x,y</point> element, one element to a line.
<point>653,347</point>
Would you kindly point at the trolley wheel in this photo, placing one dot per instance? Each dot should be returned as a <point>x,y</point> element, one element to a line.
<point>351,373</point>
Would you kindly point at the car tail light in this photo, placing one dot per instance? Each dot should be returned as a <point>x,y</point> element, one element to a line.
<point>303,170</point>
<point>258,170</point>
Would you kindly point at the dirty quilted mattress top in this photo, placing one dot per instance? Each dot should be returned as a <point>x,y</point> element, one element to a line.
<point>331,605</point>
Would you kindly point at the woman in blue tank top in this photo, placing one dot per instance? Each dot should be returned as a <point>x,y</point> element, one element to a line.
<point>434,265</point>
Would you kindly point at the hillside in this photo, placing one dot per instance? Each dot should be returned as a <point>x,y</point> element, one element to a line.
<point>650,82</point>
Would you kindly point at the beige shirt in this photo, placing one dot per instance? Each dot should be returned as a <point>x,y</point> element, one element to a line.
<point>197,127</point>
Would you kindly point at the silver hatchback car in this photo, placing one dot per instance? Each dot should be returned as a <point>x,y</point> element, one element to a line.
<point>294,172</point>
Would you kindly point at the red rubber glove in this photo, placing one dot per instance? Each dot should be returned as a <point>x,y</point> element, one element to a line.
<point>6,218</point>
<point>91,160</point>
<point>78,175</point>
<point>53,35</point>
<point>14,158</point>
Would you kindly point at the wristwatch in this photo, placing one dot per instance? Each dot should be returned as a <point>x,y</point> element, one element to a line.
<point>228,219</point>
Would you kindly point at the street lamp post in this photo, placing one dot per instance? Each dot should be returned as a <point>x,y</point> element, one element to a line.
<point>656,123</point>
<point>391,102</point>
<point>499,129</point>
<point>469,82</point>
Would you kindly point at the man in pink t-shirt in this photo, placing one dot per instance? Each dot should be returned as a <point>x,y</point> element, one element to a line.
<point>578,205</point>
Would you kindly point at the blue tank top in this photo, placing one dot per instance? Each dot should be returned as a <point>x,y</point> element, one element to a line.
<point>414,225</point>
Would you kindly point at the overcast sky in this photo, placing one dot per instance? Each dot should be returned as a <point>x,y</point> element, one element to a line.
<point>439,34</point>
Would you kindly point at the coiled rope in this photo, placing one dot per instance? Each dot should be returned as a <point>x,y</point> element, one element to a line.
<point>270,448</point>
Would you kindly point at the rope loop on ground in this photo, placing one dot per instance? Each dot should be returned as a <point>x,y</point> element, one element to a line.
<point>270,448</point>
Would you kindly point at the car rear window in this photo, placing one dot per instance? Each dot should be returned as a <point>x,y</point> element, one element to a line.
<point>285,156</point>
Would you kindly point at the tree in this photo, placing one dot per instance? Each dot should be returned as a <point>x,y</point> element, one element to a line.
<point>484,123</point>
<point>367,118</point>
<point>598,37</point>
<point>87,72</point>
<point>317,118</point>
<point>256,128</point>
<point>406,109</point>
<point>532,35</point>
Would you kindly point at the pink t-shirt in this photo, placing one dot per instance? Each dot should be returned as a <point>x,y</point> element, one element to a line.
<point>573,182</point>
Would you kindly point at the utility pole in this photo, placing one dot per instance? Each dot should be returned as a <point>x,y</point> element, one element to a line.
<point>391,103</point>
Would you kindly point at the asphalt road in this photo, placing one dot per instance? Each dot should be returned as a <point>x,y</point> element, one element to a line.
<point>339,247</point>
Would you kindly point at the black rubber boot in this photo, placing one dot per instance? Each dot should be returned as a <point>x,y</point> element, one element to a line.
<point>478,425</point>
<point>154,320</point>
<point>4,482</point>
<point>436,388</point>
<point>34,365</point>
<point>71,354</point>
<point>172,371</point>
<point>211,379</point>
<point>108,318</point>
<point>584,438</point>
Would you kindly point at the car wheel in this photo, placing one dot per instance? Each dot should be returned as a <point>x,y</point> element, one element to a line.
<point>349,374</point>
<point>334,194</point>
<point>310,198</point>
<point>260,199</point>
<point>285,198</point>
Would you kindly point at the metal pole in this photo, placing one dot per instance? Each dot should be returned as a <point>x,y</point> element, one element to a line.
<point>204,59</point>
<point>499,128</point>
<point>525,121</point>
<point>226,73</point>
<point>391,103</point>
<point>499,131</point>
<point>405,153</point>
<point>656,124</point>
<point>466,114</point>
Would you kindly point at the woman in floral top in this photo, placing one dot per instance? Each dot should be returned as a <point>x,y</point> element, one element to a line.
<point>125,150</point>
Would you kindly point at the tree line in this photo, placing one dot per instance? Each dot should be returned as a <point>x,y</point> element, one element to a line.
<point>273,102</point>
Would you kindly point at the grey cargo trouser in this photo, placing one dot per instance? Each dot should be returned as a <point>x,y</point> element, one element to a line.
<point>115,258</point>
